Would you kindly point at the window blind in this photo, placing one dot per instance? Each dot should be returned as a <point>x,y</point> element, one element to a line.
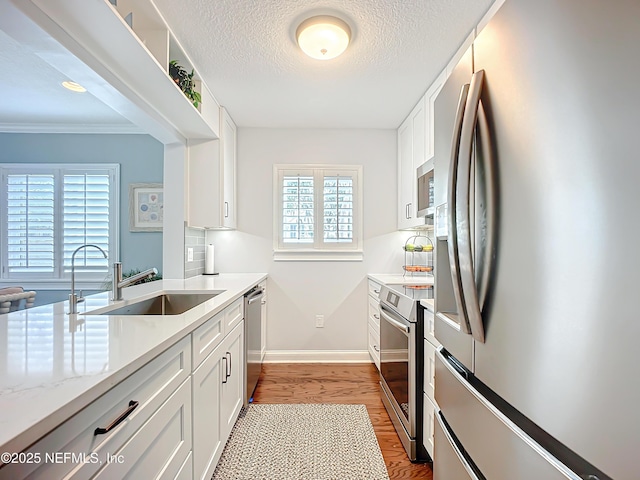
<point>298,209</point>
<point>30,223</point>
<point>338,209</point>
<point>86,220</point>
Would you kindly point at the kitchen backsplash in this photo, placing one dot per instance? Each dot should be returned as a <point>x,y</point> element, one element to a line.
<point>194,238</point>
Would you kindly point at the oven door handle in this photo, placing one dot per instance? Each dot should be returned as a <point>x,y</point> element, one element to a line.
<point>400,326</point>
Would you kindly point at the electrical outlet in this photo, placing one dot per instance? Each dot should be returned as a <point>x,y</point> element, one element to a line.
<point>319,321</point>
<point>190,254</point>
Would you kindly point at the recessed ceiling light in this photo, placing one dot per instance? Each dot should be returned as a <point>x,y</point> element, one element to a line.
<point>323,37</point>
<point>74,87</point>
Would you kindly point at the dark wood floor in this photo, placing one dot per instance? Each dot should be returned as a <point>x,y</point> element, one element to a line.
<point>340,383</point>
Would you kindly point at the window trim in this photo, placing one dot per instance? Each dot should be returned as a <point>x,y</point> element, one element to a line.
<point>59,279</point>
<point>319,250</point>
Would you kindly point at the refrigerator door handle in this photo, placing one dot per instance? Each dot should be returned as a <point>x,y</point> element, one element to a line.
<point>483,146</point>
<point>463,213</point>
<point>452,242</point>
<point>454,445</point>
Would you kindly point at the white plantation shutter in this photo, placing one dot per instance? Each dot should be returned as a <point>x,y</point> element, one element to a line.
<point>298,209</point>
<point>86,220</point>
<point>338,209</point>
<point>319,208</point>
<point>50,211</point>
<point>30,223</point>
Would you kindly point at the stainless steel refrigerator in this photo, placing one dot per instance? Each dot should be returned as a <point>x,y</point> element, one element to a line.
<point>537,170</point>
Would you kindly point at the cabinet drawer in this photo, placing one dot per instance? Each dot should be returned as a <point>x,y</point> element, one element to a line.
<point>429,325</point>
<point>207,337</point>
<point>429,370</point>
<point>428,425</point>
<point>374,345</point>
<point>374,289</point>
<point>160,448</point>
<point>233,314</point>
<point>150,387</point>
<point>374,311</point>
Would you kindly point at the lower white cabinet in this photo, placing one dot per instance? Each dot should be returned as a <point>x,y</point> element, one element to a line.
<point>207,443</point>
<point>428,426</point>
<point>156,396</point>
<point>217,401</point>
<point>159,449</point>
<point>232,387</point>
<point>429,405</point>
<point>373,322</point>
<point>263,326</point>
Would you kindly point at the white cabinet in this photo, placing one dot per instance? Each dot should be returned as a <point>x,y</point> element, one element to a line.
<point>232,388</point>
<point>373,322</point>
<point>156,396</point>
<point>212,178</point>
<point>429,404</point>
<point>159,449</point>
<point>263,326</point>
<point>411,151</point>
<point>207,439</point>
<point>415,146</point>
<point>217,380</point>
<point>228,140</point>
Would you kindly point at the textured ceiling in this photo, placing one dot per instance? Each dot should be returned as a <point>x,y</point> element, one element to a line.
<point>245,51</point>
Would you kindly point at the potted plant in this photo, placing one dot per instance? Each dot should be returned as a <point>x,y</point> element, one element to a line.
<point>184,80</point>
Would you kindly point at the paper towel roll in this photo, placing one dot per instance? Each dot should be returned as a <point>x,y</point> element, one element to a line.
<point>208,260</point>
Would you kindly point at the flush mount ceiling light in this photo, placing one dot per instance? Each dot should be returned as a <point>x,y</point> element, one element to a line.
<point>73,86</point>
<point>323,37</point>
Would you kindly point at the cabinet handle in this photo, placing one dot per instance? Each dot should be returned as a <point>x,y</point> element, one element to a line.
<point>377,317</point>
<point>230,371</point>
<point>132,406</point>
<point>226,209</point>
<point>376,348</point>
<point>377,292</point>
<point>409,210</point>
<point>406,211</point>
<point>226,375</point>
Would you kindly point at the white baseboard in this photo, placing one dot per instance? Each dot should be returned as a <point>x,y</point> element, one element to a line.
<point>317,356</point>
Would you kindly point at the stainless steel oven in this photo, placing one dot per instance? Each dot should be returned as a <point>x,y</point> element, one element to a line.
<point>402,363</point>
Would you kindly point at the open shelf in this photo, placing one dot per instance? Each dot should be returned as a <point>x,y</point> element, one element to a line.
<point>134,58</point>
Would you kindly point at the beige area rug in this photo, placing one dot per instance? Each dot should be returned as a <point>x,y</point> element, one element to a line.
<point>302,442</point>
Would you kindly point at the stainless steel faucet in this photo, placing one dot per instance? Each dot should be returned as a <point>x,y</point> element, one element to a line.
<point>74,299</point>
<point>118,283</point>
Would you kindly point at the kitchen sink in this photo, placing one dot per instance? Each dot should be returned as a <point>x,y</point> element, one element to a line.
<point>164,304</point>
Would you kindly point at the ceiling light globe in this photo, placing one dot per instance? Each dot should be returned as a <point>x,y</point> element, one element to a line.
<point>323,37</point>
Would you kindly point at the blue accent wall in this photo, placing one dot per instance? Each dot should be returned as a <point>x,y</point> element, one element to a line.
<point>141,160</point>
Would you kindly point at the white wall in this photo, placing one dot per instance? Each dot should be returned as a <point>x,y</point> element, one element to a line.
<point>297,291</point>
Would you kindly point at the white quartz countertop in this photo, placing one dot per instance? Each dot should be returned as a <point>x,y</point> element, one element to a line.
<point>386,278</point>
<point>52,364</point>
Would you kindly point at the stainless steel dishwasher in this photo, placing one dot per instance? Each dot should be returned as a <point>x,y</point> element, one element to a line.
<point>252,340</point>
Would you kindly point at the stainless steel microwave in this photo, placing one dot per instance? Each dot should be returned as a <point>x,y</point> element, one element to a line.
<point>424,174</point>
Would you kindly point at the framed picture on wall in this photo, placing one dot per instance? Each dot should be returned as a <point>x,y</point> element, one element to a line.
<point>145,207</point>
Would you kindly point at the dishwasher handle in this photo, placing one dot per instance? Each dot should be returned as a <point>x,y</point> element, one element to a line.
<point>254,295</point>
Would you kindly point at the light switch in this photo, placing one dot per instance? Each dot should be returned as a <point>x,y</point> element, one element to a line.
<point>190,254</point>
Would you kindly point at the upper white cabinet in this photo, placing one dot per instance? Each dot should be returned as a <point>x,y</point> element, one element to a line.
<point>129,45</point>
<point>415,146</point>
<point>212,178</point>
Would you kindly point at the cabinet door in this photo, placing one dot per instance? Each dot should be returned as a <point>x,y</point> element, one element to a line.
<point>207,444</point>
<point>160,447</point>
<point>232,387</point>
<point>263,317</point>
<point>405,165</point>
<point>228,139</point>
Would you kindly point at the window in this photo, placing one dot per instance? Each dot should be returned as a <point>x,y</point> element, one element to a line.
<point>50,210</point>
<point>318,212</point>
